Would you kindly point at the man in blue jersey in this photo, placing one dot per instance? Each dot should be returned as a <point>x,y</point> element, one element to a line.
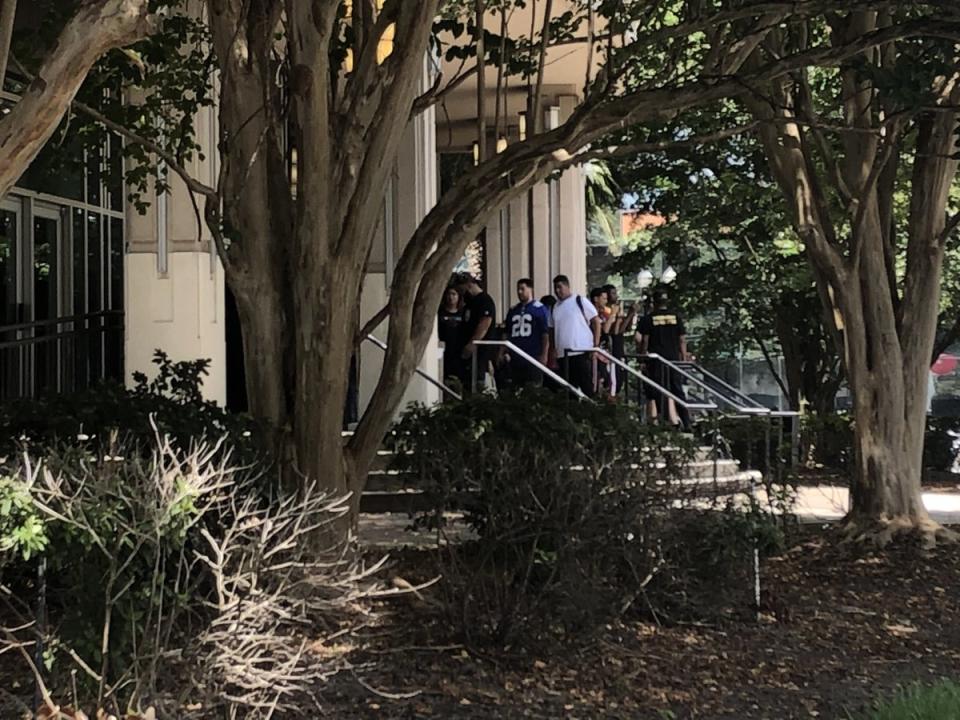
<point>527,327</point>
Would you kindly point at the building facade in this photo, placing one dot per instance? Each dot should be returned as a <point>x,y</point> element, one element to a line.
<point>90,288</point>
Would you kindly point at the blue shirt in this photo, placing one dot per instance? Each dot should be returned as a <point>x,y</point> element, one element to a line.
<point>526,326</point>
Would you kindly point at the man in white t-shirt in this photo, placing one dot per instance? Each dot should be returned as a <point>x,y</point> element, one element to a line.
<point>575,325</point>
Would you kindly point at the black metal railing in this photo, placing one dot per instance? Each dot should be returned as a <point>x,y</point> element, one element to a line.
<point>60,355</point>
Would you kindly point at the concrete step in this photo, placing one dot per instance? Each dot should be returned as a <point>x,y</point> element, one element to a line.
<point>389,494</point>
<point>385,458</point>
<point>386,480</point>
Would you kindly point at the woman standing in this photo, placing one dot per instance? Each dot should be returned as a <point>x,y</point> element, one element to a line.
<point>449,330</point>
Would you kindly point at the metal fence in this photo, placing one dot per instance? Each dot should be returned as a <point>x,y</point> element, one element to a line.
<point>61,355</point>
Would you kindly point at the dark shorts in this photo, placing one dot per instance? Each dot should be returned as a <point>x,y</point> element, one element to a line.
<point>522,373</point>
<point>664,377</point>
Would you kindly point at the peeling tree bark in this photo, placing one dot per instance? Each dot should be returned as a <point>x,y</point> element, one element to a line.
<point>8,14</point>
<point>96,28</point>
<point>887,335</point>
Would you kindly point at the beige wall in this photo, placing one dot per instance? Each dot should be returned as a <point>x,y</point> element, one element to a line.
<point>180,313</point>
<point>174,299</point>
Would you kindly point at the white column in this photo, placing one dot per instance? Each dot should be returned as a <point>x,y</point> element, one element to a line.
<point>573,223</point>
<point>541,239</point>
<point>175,303</point>
<point>414,196</point>
<point>519,247</point>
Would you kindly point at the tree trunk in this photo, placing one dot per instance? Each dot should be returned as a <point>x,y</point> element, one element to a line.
<point>887,378</point>
<point>323,346</point>
<point>256,210</point>
<point>261,314</point>
<point>885,496</point>
<point>96,28</point>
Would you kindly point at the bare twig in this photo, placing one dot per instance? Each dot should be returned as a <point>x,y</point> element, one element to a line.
<point>383,693</point>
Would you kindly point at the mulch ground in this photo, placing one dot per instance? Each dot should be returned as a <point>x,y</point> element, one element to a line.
<point>839,627</point>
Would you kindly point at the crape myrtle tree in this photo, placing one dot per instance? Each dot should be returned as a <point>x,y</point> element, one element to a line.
<point>310,80</point>
<point>865,157</point>
<point>839,141</point>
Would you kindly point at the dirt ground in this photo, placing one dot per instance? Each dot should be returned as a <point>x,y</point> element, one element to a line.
<point>838,628</point>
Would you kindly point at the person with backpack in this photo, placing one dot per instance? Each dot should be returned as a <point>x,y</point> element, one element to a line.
<point>575,325</point>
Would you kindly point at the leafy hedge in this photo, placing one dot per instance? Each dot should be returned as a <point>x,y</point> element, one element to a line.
<point>828,441</point>
<point>579,512</point>
<point>171,404</point>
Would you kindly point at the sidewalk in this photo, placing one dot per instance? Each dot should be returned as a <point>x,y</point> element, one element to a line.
<point>828,503</point>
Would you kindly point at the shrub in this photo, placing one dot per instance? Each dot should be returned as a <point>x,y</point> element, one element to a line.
<point>939,443</point>
<point>573,505</point>
<point>827,440</point>
<point>921,702</point>
<point>171,581</point>
<point>171,403</point>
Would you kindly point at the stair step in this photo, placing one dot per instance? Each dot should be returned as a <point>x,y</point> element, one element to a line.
<point>390,494</point>
<point>384,479</point>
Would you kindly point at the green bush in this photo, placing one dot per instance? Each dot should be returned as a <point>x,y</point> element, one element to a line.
<point>827,440</point>
<point>921,702</point>
<point>938,443</point>
<point>171,404</point>
<point>574,508</point>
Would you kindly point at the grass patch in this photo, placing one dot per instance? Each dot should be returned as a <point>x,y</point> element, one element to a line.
<point>921,702</point>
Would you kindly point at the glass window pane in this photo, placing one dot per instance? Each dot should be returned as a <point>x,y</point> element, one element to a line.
<point>114,324</point>
<point>114,178</point>
<point>57,170</point>
<point>11,357</point>
<point>46,248</point>
<point>9,232</point>
<point>79,262</point>
<point>116,264</point>
<point>94,159</point>
<point>94,295</point>
<point>94,259</point>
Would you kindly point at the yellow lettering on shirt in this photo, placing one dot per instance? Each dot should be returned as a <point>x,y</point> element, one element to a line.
<point>664,319</point>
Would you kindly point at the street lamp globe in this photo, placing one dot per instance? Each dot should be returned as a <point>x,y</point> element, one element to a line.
<point>644,279</point>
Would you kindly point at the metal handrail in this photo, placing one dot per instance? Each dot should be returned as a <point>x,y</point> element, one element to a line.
<point>644,379</point>
<point>740,394</point>
<point>60,320</point>
<point>63,334</point>
<point>752,409</point>
<point>426,376</point>
<point>536,363</point>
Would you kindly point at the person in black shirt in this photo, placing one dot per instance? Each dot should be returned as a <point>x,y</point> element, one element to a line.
<point>479,319</point>
<point>450,332</point>
<point>661,332</point>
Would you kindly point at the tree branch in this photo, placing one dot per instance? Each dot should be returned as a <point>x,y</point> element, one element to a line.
<point>8,14</point>
<point>372,324</point>
<point>96,28</point>
<point>535,118</point>
<point>168,158</point>
<point>436,94</point>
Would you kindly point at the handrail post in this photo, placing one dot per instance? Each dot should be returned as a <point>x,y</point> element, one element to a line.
<point>474,369</point>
